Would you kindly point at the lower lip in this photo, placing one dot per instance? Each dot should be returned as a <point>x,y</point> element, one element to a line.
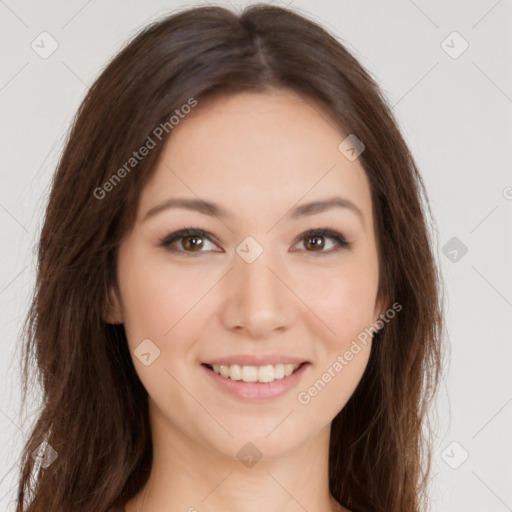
<point>257,390</point>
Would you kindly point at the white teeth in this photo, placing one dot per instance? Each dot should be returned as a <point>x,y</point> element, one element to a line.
<point>249,373</point>
<point>267,373</point>
<point>288,369</point>
<point>278,371</point>
<point>235,372</point>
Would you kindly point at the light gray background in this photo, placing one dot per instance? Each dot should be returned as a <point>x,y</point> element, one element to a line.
<point>456,115</point>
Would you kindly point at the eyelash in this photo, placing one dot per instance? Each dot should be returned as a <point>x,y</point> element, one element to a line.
<point>191,231</point>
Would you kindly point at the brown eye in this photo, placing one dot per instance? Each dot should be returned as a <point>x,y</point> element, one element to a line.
<point>315,241</point>
<point>189,241</point>
<point>192,242</point>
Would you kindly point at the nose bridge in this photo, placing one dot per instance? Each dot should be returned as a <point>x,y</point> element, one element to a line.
<point>258,300</point>
<point>259,281</point>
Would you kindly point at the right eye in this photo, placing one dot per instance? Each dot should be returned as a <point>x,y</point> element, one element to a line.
<point>190,239</point>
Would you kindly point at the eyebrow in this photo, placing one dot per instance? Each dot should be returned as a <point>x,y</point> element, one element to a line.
<point>215,210</point>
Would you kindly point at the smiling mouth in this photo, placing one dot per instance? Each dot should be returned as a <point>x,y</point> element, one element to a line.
<point>263,374</point>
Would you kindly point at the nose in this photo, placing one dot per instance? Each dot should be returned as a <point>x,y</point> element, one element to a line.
<point>258,301</point>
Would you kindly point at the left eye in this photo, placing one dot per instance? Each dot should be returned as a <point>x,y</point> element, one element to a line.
<point>314,239</point>
<point>192,241</point>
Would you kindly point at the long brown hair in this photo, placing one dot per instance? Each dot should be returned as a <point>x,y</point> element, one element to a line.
<point>94,416</point>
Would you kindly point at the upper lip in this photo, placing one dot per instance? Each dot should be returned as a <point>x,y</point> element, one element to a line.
<point>255,360</point>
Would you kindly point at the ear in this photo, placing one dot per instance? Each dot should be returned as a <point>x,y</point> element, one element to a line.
<point>113,314</point>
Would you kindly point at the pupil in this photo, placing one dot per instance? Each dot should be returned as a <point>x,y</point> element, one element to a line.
<point>315,244</point>
<point>193,244</point>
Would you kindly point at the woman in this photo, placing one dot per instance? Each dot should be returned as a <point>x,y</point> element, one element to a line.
<point>237,303</point>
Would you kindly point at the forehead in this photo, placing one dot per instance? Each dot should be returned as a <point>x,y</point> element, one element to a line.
<point>254,150</point>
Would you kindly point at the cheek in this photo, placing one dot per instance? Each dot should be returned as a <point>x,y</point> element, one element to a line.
<point>157,299</point>
<point>346,306</point>
<point>332,384</point>
<point>158,303</point>
<point>342,300</point>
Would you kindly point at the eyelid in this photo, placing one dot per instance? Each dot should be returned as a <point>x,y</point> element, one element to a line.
<point>182,233</point>
<point>339,240</point>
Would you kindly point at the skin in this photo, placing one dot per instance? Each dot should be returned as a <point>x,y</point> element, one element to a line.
<point>258,155</point>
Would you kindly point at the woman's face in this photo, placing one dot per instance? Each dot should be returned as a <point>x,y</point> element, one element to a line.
<point>251,290</point>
